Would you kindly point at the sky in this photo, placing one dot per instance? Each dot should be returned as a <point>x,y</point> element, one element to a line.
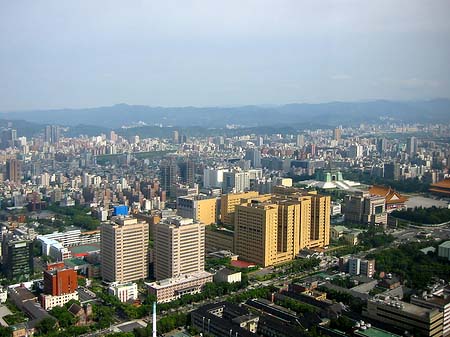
<point>88,53</point>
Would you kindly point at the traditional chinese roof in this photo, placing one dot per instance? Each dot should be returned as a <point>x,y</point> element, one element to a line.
<point>441,187</point>
<point>391,196</point>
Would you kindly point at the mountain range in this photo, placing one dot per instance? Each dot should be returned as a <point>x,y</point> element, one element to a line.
<point>198,119</point>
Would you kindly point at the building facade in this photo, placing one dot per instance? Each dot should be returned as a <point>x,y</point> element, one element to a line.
<point>124,249</point>
<point>179,247</point>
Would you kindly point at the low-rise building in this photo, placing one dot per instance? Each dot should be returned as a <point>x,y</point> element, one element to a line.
<point>411,317</point>
<point>444,250</point>
<point>225,319</point>
<point>126,292</point>
<point>227,275</point>
<point>218,239</point>
<point>50,301</point>
<point>173,288</point>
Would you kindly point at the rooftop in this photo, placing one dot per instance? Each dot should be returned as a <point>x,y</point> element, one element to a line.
<point>445,244</point>
<point>374,332</point>
<point>179,280</point>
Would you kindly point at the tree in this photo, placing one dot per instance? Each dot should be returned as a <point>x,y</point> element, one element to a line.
<point>47,325</point>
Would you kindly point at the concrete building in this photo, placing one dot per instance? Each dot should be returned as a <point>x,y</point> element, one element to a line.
<point>365,208</point>
<point>13,170</point>
<point>218,239</point>
<point>17,257</point>
<point>229,202</point>
<point>357,266</point>
<point>256,227</point>
<point>224,320</point>
<point>170,289</point>
<point>236,181</point>
<point>60,286</point>
<point>125,292</point>
<point>200,208</point>
<point>124,249</point>
<point>228,276</point>
<point>444,250</point>
<point>179,247</point>
<point>438,300</point>
<point>411,317</point>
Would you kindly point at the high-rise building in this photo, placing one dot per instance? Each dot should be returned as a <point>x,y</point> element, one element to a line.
<point>237,181</point>
<point>179,247</point>
<point>13,170</point>
<point>213,177</point>
<point>256,226</point>
<point>411,146</point>
<point>229,202</point>
<point>381,145</point>
<point>187,172</point>
<point>124,249</point>
<point>200,208</point>
<point>60,280</point>
<point>52,134</point>
<point>168,175</point>
<point>364,208</point>
<point>300,140</point>
<point>337,134</point>
<point>17,258</point>
<point>272,229</point>
<point>254,155</point>
<point>175,137</point>
<point>392,171</point>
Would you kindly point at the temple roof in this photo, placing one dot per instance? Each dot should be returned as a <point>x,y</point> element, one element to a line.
<point>391,196</point>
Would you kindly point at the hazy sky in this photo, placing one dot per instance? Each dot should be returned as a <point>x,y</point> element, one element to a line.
<point>76,53</point>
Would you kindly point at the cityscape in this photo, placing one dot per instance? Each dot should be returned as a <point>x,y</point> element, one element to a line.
<point>223,218</point>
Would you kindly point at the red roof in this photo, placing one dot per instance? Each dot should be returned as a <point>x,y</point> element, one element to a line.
<point>242,264</point>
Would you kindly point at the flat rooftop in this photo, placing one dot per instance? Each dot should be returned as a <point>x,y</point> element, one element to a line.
<point>179,280</point>
<point>374,332</point>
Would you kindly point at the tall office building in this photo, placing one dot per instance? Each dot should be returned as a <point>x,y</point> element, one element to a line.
<point>256,226</point>
<point>229,202</point>
<point>124,249</point>
<point>412,146</point>
<point>17,258</point>
<point>13,170</point>
<point>381,145</point>
<point>179,247</point>
<point>8,138</point>
<point>168,175</point>
<point>272,229</point>
<point>237,181</point>
<point>254,155</point>
<point>320,221</point>
<point>52,134</point>
<point>300,140</point>
<point>187,172</point>
<point>337,134</point>
<point>175,137</point>
<point>198,207</point>
<point>392,171</point>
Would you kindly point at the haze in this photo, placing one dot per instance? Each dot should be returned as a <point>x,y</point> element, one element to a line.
<point>56,54</point>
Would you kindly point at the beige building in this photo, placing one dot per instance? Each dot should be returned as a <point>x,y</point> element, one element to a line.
<point>170,289</point>
<point>365,208</point>
<point>200,208</point>
<point>179,247</point>
<point>124,249</point>
<point>218,239</point>
<point>273,231</point>
<point>411,317</point>
<point>229,203</point>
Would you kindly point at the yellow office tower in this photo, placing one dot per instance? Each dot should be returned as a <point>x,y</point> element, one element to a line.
<point>229,203</point>
<point>256,226</point>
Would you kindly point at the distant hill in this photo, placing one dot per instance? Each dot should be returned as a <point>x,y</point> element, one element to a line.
<point>293,115</point>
